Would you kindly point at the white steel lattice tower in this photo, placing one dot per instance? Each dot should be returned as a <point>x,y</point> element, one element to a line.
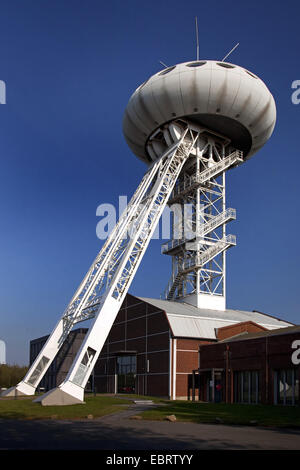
<point>189,123</point>
<point>199,243</point>
<point>235,114</point>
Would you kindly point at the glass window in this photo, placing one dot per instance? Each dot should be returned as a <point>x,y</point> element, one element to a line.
<point>246,387</point>
<point>296,389</point>
<point>286,387</point>
<point>254,386</point>
<point>126,370</point>
<point>289,385</point>
<point>126,364</point>
<point>238,387</point>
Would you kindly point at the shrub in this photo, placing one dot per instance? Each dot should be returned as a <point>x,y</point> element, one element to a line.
<point>11,375</point>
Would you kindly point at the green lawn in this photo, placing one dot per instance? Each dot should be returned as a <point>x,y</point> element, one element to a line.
<point>133,396</point>
<point>26,409</point>
<point>282,416</point>
<point>100,405</point>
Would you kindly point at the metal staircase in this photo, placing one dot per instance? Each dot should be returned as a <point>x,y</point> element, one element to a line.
<point>198,179</point>
<point>207,227</point>
<point>199,241</point>
<point>197,261</point>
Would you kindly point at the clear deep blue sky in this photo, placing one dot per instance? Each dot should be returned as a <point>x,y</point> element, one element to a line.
<point>70,67</point>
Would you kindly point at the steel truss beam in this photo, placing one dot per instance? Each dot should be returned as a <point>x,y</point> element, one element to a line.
<point>198,260</point>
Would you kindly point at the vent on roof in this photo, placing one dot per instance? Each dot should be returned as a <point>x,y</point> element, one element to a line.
<point>251,74</point>
<point>196,64</point>
<point>169,69</point>
<point>226,66</point>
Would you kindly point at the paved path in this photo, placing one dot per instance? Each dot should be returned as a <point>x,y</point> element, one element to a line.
<point>119,432</point>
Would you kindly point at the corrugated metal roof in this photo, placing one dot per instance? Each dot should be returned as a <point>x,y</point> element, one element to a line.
<point>193,327</point>
<point>192,322</point>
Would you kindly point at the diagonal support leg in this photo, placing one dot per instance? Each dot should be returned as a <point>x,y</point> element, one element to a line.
<point>116,264</point>
<point>124,261</point>
<point>94,277</point>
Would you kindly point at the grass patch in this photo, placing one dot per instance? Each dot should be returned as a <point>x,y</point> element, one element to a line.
<point>26,409</point>
<point>195,412</point>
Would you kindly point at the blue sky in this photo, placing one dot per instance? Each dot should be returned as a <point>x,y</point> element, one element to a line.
<point>70,68</point>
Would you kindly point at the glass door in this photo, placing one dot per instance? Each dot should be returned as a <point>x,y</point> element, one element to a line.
<point>126,370</point>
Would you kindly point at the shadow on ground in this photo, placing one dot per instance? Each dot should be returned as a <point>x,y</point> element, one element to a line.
<point>118,432</point>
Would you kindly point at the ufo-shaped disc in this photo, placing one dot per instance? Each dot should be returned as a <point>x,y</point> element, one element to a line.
<point>220,96</point>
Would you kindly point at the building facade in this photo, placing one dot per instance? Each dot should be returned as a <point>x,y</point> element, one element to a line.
<point>153,347</point>
<point>250,366</point>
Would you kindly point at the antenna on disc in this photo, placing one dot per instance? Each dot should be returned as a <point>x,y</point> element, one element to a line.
<point>227,55</point>
<point>163,64</point>
<point>197,36</point>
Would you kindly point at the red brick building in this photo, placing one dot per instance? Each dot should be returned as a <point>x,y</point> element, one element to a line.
<point>250,364</point>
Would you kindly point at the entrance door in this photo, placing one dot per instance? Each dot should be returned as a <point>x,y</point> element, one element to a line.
<point>214,387</point>
<point>126,370</point>
<point>218,391</point>
<point>218,387</point>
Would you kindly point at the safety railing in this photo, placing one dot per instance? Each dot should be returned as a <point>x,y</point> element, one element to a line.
<point>206,227</point>
<point>205,175</point>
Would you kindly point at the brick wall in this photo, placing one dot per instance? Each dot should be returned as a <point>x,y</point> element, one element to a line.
<point>233,330</point>
<point>187,359</point>
<point>264,354</point>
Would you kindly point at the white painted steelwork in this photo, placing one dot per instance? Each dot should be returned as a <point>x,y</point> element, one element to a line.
<point>237,115</point>
<point>190,123</point>
<point>101,293</point>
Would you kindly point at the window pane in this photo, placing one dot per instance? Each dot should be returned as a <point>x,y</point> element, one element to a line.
<point>126,369</point>
<point>246,384</point>
<point>289,389</point>
<point>286,386</point>
<point>253,394</point>
<point>296,389</point>
<point>237,387</point>
<point>240,387</point>
<point>246,387</point>
<point>281,387</point>
<point>126,364</point>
